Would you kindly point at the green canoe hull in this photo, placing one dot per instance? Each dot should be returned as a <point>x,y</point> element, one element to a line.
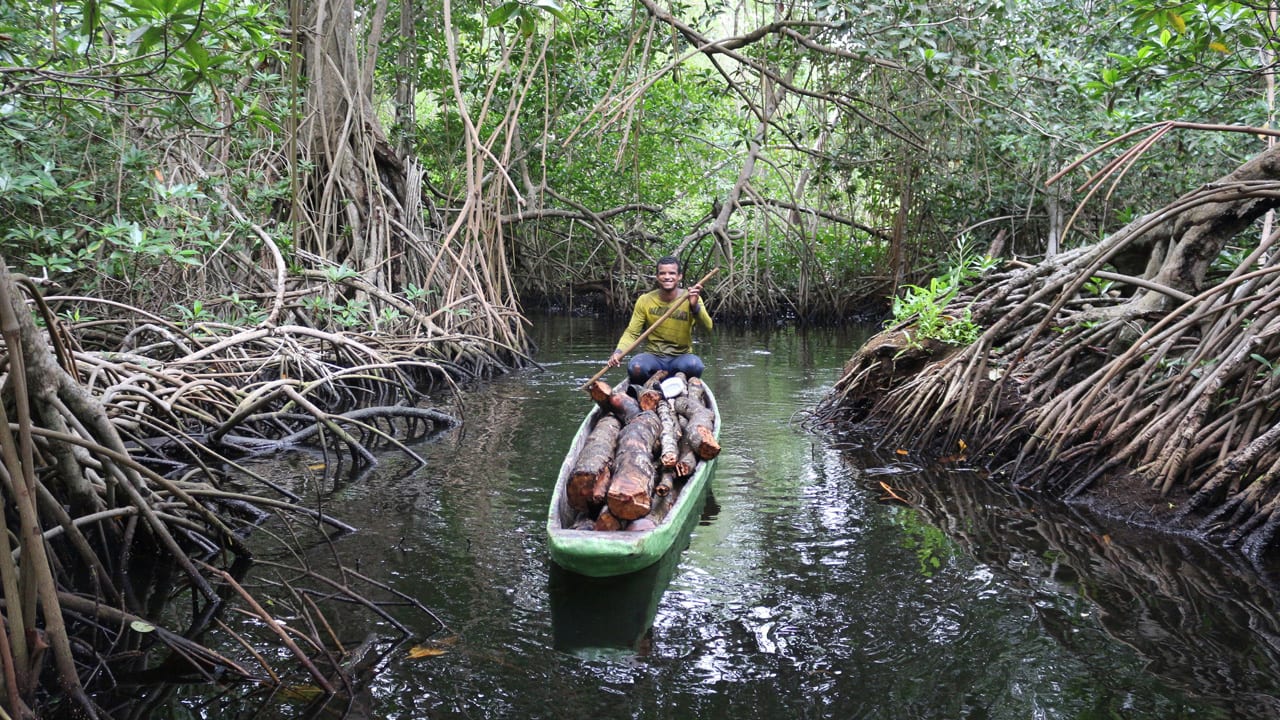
<point>604,554</point>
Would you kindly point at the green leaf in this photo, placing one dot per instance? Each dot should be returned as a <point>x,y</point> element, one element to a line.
<point>502,13</point>
<point>551,7</point>
<point>142,626</point>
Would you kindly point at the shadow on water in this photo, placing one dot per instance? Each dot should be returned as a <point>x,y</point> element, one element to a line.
<point>1199,617</point>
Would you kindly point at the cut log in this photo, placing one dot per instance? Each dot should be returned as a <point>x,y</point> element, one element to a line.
<point>624,406</point>
<point>631,490</point>
<point>688,460</point>
<point>703,441</point>
<point>606,522</point>
<point>649,399</point>
<point>600,392</point>
<point>594,465</point>
<point>700,428</point>
<point>601,490</point>
<point>666,483</point>
<point>649,395</point>
<point>661,506</point>
<point>670,437</point>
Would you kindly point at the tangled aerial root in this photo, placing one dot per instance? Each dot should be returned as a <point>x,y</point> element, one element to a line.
<point>1170,386</point>
<point>114,470</point>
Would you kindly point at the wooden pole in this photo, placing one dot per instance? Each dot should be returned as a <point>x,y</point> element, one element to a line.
<point>670,311</point>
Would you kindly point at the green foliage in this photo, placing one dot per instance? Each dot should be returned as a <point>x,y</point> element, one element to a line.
<point>94,190</point>
<point>525,15</point>
<point>1098,287</point>
<point>968,104</point>
<point>926,308</point>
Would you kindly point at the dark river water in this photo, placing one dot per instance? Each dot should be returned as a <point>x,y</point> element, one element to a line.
<point>802,592</point>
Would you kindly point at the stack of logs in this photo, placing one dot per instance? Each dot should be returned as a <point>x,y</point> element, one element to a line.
<point>639,450</point>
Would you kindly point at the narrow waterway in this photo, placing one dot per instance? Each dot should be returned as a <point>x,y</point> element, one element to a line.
<point>802,592</point>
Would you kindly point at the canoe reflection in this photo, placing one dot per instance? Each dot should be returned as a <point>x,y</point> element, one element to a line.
<point>616,612</point>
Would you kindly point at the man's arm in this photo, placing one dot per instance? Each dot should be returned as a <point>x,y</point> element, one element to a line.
<point>635,327</point>
<point>699,308</point>
<point>630,335</point>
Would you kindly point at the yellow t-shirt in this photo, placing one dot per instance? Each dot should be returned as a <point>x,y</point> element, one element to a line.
<point>675,335</point>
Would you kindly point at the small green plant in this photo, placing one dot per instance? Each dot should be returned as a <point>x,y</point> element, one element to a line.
<point>74,316</point>
<point>390,316</point>
<point>927,306</point>
<point>339,273</point>
<point>414,293</point>
<point>1098,287</point>
<point>194,314</point>
<point>352,313</point>
<point>247,312</point>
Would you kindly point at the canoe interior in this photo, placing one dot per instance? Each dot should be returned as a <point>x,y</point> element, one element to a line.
<point>603,554</point>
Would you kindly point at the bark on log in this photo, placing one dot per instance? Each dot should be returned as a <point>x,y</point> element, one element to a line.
<point>700,430</point>
<point>594,466</point>
<point>630,492</point>
<point>641,524</point>
<point>670,437</point>
<point>694,391</point>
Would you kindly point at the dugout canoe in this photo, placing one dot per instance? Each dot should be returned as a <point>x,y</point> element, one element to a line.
<point>609,553</point>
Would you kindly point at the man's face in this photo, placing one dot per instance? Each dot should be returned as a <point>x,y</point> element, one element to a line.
<point>668,277</point>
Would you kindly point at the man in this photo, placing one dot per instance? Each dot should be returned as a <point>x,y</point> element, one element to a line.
<point>670,346</point>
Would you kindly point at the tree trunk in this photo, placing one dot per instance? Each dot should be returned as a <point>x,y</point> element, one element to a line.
<point>352,199</point>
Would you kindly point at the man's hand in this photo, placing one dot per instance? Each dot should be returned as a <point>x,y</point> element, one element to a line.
<point>695,294</point>
<point>615,359</point>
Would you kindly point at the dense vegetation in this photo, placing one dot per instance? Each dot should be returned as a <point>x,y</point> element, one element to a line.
<point>244,224</point>
<point>819,154</point>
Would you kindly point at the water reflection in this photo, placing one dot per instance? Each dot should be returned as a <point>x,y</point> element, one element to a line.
<point>1199,618</point>
<point>800,594</point>
<point>591,615</point>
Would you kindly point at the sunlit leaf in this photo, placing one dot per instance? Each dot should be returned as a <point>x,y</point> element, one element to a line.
<point>316,466</point>
<point>900,451</point>
<point>142,626</point>
<point>552,7</point>
<point>417,652</point>
<point>302,692</point>
<point>1218,47</point>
